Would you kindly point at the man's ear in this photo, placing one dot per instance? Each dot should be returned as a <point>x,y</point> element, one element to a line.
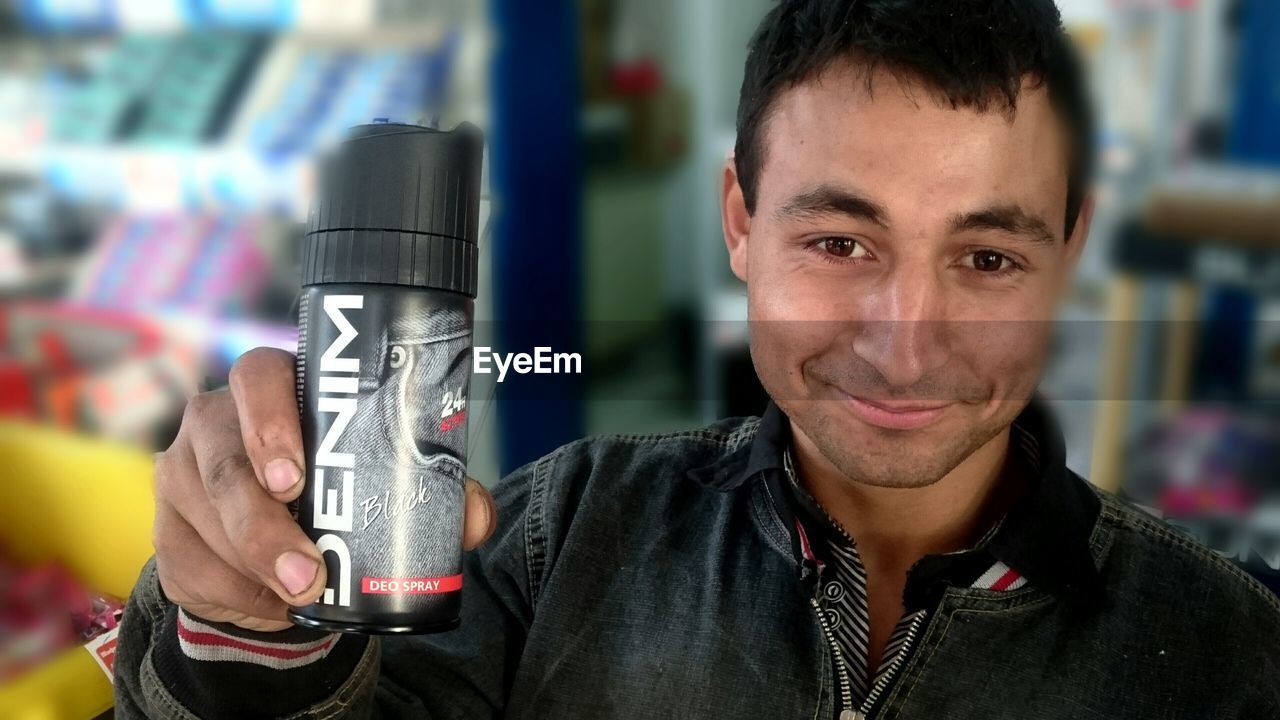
<point>1075,246</point>
<point>1080,233</point>
<point>734,218</point>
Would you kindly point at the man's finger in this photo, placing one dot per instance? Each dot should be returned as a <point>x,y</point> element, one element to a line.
<point>271,544</point>
<point>263,536</point>
<point>262,384</point>
<point>180,487</point>
<point>480,517</point>
<point>192,575</point>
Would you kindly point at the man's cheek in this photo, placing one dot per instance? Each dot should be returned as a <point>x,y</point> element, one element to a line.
<point>1008,355</point>
<point>774,298</point>
<point>778,350</point>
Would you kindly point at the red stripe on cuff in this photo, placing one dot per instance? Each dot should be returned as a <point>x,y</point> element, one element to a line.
<point>204,638</point>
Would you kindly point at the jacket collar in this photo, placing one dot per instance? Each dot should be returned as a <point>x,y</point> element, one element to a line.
<point>1045,536</point>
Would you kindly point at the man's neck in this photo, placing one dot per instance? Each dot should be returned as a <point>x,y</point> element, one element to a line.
<point>895,527</point>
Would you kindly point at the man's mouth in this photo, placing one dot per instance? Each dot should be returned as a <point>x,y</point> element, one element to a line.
<point>894,414</point>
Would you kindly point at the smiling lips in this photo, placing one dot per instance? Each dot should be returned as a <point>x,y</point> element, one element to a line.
<point>895,415</point>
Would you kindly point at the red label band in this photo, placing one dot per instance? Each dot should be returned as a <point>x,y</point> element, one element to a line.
<point>411,586</point>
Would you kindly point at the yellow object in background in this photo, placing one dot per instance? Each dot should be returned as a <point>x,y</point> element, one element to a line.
<point>88,504</point>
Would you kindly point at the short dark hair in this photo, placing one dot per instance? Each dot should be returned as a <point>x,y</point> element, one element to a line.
<point>974,53</point>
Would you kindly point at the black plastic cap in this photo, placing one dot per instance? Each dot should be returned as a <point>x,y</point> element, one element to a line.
<point>398,204</point>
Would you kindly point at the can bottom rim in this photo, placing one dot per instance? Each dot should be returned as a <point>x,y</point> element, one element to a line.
<point>373,628</point>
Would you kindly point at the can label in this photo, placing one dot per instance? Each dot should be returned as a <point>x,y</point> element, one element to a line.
<point>383,376</point>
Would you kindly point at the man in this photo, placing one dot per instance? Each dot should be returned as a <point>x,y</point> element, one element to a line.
<point>897,536</point>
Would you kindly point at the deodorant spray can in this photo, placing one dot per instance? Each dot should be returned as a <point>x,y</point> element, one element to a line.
<point>384,362</point>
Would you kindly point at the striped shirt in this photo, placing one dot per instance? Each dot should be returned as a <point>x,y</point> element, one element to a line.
<point>843,609</point>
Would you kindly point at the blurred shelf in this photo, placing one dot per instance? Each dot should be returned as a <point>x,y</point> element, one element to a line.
<point>1222,204</point>
<point>263,159</point>
<point>168,179</point>
<point>318,17</point>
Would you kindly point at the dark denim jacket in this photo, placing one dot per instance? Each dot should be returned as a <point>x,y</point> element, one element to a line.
<point>657,577</point>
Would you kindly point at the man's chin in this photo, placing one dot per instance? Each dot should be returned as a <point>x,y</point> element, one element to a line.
<point>880,457</point>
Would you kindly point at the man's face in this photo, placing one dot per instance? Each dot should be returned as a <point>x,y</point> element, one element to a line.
<point>902,264</point>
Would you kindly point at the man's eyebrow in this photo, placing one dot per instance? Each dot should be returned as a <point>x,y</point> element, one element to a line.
<point>826,200</point>
<point>1006,218</point>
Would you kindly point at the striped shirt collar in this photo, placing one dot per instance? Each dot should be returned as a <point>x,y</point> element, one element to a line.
<point>1026,464</point>
<point>1045,536</point>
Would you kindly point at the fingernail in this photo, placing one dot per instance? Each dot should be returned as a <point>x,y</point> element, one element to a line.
<point>296,571</point>
<point>281,475</point>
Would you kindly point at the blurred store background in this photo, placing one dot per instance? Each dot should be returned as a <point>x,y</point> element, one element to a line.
<point>156,163</point>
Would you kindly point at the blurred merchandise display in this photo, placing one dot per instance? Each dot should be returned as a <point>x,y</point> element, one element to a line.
<point>331,89</point>
<point>1213,474</point>
<point>53,16</point>
<point>45,610</point>
<point>217,120</point>
<point>203,263</point>
<point>160,90</point>
<point>98,371</point>
<point>161,302</point>
<point>58,16</point>
<point>219,341</point>
<point>191,97</point>
<point>1209,233</point>
<point>180,90</point>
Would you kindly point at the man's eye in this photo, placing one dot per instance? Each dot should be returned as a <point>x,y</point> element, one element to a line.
<point>841,247</point>
<point>990,261</point>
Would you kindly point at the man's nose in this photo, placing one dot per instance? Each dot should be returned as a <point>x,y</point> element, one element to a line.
<point>904,330</point>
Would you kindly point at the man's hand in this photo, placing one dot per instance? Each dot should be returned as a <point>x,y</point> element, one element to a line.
<point>227,549</point>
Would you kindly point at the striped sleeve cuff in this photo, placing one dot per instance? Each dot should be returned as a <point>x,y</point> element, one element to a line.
<point>229,672</point>
<point>208,642</point>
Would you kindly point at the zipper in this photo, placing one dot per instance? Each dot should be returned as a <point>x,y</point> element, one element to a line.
<point>842,672</point>
<point>887,678</point>
<point>847,711</point>
<point>846,693</point>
